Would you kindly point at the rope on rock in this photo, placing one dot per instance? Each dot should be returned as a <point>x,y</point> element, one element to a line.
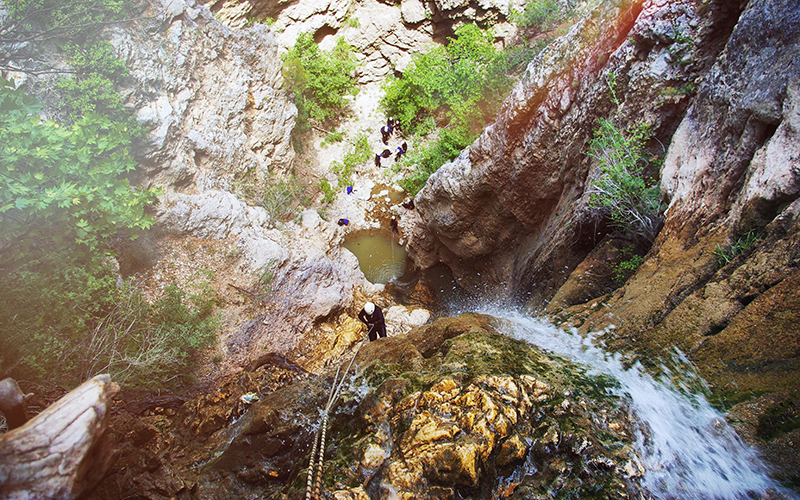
<point>314,487</point>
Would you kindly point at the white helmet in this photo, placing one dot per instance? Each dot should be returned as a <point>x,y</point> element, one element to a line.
<point>369,308</point>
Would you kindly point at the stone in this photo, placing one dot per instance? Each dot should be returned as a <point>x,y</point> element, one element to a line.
<point>413,11</point>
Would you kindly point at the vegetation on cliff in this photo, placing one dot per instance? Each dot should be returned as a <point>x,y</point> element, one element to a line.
<point>67,207</point>
<point>320,80</point>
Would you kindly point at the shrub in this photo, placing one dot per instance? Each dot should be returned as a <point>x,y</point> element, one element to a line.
<point>327,190</point>
<point>65,323</point>
<point>320,80</point>
<point>282,198</point>
<point>360,153</point>
<point>632,202</point>
<point>64,184</point>
<point>92,89</point>
<point>623,270</point>
<point>739,247</point>
<point>539,16</point>
<point>461,85</point>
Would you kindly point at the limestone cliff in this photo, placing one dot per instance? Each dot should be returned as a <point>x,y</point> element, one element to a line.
<point>513,206</point>
<point>718,85</point>
<point>211,97</point>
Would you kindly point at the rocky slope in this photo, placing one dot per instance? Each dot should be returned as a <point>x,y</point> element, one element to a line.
<point>717,84</point>
<point>452,409</point>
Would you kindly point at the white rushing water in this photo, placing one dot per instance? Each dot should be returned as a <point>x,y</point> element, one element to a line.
<point>687,448</point>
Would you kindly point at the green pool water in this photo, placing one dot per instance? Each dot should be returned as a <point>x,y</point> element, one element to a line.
<point>379,255</point>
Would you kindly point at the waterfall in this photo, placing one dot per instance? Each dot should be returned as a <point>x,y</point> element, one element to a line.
<point>686,446</point>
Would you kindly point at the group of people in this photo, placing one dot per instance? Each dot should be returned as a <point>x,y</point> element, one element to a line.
<point>387,130</point>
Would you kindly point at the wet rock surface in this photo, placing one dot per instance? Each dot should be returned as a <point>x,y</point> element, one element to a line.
<point>449,409</point>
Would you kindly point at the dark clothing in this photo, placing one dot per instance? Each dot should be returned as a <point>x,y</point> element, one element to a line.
<point>377,160</point>
<point>343,222</point>
<point>374,322</point>
<point>409,204</point>
<point>386,153</point>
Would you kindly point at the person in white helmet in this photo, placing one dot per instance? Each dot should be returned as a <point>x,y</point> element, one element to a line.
<point>372,316</point>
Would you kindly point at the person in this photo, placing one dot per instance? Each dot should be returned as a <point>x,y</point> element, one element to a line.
<point>343,222</point>
<point>372,316</point>
<point>408,204</point>
<point>386,153</point>
<point>377,160</point>
<point>393,224</point>
<point>386,132</point>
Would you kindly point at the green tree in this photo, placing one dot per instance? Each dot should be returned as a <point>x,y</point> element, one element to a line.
<point>320,80</point>
<point>540,16</point>
<point>29,26</point>
<point>64,184</point>
<point>461,83</point>
<point>632,202</point>
<point>459,86</point>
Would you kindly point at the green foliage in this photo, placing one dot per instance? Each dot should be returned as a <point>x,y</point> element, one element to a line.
<point>92,89</point>
<point>77,15</point>
<point>65,323</point>
<point>282,198</point>
<point>428,159</point>
<point>352,22</point>
<point>320,80</point>
<point>539,16</point>
<point>344,169</point>
<point>331,138</point>
<point>632,202</point>
<point>622,271</point>
<point>461,84</point>
<point>739,247</point>
<point>327,190</point>
<point>64,184</point>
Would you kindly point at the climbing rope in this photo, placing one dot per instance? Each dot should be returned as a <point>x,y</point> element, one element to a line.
<point>314,487</point>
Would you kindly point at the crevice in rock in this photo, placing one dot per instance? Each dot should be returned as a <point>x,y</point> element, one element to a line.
<point>323,33</point>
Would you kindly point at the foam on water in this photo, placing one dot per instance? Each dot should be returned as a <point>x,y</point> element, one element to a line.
<point>687,448</point>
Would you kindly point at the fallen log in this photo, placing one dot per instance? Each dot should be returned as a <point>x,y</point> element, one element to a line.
<point>63,452</point>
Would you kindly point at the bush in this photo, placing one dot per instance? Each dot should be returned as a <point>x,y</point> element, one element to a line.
<point>461,85</point>
<point>65,323</point>
<point>61,185</point>
<point>539,16</point>
<point>320,80</point>
<point>739,247</point>
<point>632,202</point>
<point>344,169</point>
<point>282,198</point>
<point>327,190</point>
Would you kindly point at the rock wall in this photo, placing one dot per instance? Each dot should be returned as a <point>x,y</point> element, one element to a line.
<point>726,259</point>
<point>514,205</point>
<point>384,34</point>
<point>210,96</point>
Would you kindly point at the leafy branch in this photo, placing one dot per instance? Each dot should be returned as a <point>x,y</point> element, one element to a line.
<point>632,202</point>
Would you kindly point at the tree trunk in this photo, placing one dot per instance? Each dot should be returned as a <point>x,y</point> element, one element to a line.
<point>62,452</point>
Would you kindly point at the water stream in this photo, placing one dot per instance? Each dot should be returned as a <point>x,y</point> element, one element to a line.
<point>687,448</point>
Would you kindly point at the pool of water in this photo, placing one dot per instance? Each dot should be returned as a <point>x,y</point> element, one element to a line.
<point>380,256</point>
